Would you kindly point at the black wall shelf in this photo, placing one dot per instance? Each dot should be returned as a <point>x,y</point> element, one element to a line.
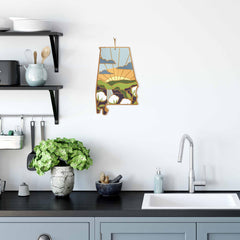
<point>54,95</point>
<point>54,40</point>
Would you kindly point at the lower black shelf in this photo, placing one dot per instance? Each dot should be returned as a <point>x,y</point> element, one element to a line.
<point>26,87</point>
<point>54,95</point>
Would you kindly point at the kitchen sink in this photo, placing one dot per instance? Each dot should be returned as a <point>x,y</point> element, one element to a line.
<point>191,201</point>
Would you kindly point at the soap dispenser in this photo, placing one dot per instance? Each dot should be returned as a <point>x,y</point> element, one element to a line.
<point>158,182</point>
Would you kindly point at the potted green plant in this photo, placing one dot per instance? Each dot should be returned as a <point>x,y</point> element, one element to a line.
<point>61,156</point>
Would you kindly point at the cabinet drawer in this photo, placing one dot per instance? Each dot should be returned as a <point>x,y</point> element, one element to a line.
<point>146,230</point>
<point>218,231</point>
<point>32,230</point>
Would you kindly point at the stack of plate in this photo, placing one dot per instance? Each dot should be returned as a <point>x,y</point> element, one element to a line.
<point>30,25</point>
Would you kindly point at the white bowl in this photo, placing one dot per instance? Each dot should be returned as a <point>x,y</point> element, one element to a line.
<point>5,23</point>
<point>30,25</point>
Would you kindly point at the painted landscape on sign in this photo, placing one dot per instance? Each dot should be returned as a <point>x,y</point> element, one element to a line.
<point>116,81</point>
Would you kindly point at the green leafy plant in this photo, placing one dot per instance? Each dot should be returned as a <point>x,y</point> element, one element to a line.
<point>60,152</point>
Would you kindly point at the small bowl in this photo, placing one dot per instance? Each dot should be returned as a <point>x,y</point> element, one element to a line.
<point>109,189</point>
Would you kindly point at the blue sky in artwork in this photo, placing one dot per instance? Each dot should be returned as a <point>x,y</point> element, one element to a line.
<point>120,57</point>
<point>106,61</point>
<point>105,72</point>
<point>128,66</point>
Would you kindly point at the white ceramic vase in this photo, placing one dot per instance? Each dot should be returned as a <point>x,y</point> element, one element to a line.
<point>62,180</point>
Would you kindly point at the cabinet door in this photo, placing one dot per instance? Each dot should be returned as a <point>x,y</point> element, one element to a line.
<point>218,231</point>
<point>148,231</point>
<point>32,231</point>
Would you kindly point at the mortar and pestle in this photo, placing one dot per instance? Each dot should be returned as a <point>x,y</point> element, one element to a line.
<point>106,187</point>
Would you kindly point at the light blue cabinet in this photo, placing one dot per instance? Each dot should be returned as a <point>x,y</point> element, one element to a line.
<point>148,230</point>
<point>165,228</point>
<point>56,228</point>
<point>120,228</point>
<point>218,231</point>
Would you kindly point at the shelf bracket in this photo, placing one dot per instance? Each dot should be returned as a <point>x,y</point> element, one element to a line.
<point>54,95</point>
<point>54,40</point>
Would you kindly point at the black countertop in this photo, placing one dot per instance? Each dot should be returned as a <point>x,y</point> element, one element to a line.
<point>90,204</point>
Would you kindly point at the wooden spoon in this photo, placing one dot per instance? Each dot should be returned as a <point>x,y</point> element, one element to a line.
<point>35,57</point>
<point>45,53</point>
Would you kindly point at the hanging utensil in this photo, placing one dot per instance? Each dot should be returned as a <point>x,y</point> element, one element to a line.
<point>35,57</point>
<point>42,123</point>
<point>22,124</point>
<point>1,131</point>
<point>32,154</point>
<point>29,55</point>
<point>45,53</point>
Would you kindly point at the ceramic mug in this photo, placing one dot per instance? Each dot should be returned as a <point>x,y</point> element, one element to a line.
<point>36,75</point>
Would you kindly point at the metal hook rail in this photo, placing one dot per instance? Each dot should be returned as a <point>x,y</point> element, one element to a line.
<point>26,115</point>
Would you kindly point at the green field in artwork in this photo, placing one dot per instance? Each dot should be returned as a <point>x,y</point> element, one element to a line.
<point>121,84</point>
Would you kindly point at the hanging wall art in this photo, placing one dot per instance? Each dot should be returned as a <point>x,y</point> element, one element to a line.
<point>116,81</point>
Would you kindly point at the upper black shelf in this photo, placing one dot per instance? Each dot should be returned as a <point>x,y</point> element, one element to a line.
<point>54,41</point>
<point>41,33</point>
<point>26,87</point>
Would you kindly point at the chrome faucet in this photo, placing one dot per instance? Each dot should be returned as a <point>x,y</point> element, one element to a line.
<point>191,178</point>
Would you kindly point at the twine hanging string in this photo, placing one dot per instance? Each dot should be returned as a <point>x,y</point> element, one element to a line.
<point>115,40</point>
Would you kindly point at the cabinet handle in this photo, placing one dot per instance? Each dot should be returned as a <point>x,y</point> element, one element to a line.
<point>44,237</point>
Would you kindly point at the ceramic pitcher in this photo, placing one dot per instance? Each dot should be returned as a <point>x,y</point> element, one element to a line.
<point>36,75</point>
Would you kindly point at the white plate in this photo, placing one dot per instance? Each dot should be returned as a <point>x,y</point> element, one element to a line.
<point>30,25</point>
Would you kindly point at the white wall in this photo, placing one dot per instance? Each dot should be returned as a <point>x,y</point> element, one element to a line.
<point>186,56</point>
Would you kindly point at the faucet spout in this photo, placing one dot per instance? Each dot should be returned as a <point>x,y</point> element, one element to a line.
<point>181,148</point>
<point>191,177</point>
